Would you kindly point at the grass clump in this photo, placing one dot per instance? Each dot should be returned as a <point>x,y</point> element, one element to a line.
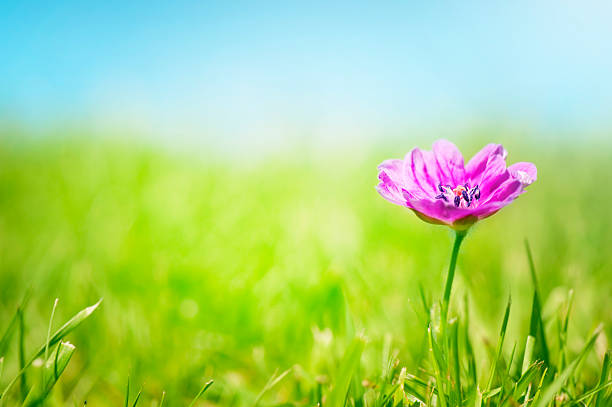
<point>44,372</point>
<point>238,271</point>
<point>450,378</point>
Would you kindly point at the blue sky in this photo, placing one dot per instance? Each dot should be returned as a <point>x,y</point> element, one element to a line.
<point>240,67</point>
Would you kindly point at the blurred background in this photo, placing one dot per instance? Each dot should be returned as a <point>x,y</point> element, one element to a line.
<point>209,168</point>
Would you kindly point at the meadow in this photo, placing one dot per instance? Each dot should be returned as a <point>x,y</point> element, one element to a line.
<point>259,274</point>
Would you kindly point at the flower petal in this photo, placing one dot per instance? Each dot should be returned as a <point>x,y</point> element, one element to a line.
<point>422,170</point>
<point>493,176</point>
<point>524,172</point>
<point>507,191</point>
<point>477,165</point>
<point>390,194</point>
<point>450,163</point>
<point>393,168</point>
<point>395,171</point>
<point>488,209</point>
<point>437,210</point>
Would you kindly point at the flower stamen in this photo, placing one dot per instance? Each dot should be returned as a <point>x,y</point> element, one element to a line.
<point>475,193</point>
<point>459,193</point>
<point>467,199</point>
<point>442,196</point>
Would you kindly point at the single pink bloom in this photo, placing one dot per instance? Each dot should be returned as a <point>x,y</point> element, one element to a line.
<point>440,189</point>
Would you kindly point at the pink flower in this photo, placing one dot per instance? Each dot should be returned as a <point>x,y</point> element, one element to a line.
<point>440,189</point>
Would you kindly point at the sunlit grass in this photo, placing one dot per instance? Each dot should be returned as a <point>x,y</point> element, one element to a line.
<point>236,271</point>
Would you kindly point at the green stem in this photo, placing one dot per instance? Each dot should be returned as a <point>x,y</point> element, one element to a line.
<point>459,235</point>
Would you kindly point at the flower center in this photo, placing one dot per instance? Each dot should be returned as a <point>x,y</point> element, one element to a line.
<point>460,194</point>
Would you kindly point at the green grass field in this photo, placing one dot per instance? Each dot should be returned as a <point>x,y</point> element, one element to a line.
<point>239,270</point>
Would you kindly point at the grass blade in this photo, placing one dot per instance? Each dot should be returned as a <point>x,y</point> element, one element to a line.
<point>526,378</point>
<point>412,391</point>
<point>273,381</point>
<point>69,326</point>
<point>127,392</point>
<point>437,363</point>
<point>478,399</point>
<point>137,398</point>
<point>536,326</point>
<point>598,390</point>
<point>604,376</point>
<point>469,349</point>
<point>500,344</point>
<point>384,398</point>
<point>57,336</point>
<point>528,356</point>
<point>23,383</point>
<point>511,360</point>
<point>563,333</point>
<point>348,365</point>
<point>50,371</point>
<point>538,389</point>
<point>50,326</point>
<point>10,329</point>
<point>424,302</point>
<point>558,383</point>
<point>8,333</point>
<point>455,367</point>
<point>202,390</point>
